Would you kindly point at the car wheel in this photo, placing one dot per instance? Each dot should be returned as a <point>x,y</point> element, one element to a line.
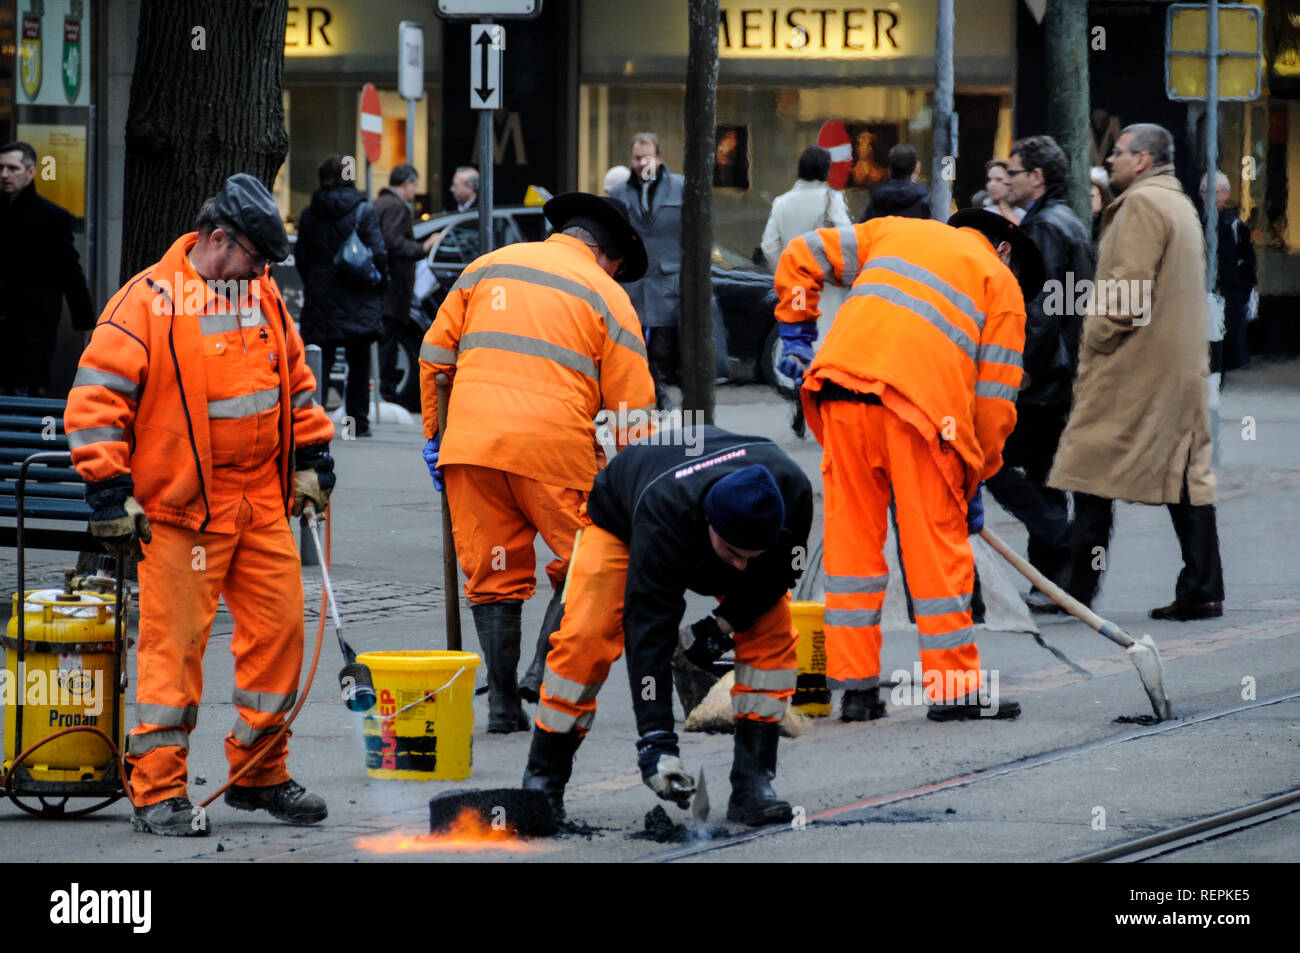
<point>407,371</point>
<point>768,361</point>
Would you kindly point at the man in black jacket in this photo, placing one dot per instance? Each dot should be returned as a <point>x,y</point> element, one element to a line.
<point>902,195</point>
<point>716,513</point>
<point>396,223</point>
<point>1037,172</point>
<point>38,269</point>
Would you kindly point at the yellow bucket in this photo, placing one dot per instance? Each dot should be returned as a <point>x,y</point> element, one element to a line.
<point>66,680</point>
<point>811,694</point>
<point>423,721</point>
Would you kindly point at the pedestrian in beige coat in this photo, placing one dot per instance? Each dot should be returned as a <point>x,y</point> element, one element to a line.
<point>1139,426</point>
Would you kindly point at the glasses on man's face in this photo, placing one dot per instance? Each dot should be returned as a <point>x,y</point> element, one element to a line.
<point>1117,151</point>
<point>258,262</point>
<point>1012,173</point>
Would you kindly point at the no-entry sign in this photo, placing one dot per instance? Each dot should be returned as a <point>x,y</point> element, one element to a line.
<point>372,122</point>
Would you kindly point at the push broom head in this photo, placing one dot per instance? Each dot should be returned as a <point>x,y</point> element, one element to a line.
<point>357,686</point>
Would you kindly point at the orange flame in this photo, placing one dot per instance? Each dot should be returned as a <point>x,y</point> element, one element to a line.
<point>469,832</point>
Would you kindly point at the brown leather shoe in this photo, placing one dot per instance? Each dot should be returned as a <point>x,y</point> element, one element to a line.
<point>1187,612</point>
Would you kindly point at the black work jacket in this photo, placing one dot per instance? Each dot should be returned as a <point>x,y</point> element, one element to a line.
<point>652,498</point>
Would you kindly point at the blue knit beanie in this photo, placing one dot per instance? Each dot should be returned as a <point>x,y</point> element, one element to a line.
<point>746,508</point>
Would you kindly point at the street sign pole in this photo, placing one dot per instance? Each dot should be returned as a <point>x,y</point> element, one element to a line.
<point>1211,145</point>
<point>486,41</point>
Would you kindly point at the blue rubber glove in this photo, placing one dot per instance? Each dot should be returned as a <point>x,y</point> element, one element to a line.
<point>975,511</point>
<point>796,348</point>
<point>431,450</point>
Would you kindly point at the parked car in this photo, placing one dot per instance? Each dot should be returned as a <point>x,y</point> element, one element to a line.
<point>742,290</point>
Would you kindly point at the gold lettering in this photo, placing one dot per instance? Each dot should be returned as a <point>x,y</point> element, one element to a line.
<point>888,31</point>
<point>849,26</point>
<point>746,26</point>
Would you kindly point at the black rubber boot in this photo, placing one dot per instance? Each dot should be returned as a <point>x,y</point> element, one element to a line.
<point>498,626</point>
<point>530,688</point>
<point>861,705</point>
<point>753,767</point>
<point>550,762</point>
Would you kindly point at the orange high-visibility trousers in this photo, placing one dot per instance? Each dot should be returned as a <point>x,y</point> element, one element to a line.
<point>496,516</point>
<point>258,572</point>
<point>872,458</point>
<point>590,640</point>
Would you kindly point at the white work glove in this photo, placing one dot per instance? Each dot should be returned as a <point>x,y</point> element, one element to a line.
<point>669,779</point>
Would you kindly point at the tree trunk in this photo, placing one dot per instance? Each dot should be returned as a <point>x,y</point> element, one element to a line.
<point>944,168</point>
<point>697,210</point>
<point>206,102</point>
<point>1065,35</point>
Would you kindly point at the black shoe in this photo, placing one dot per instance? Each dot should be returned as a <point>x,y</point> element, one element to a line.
<point>498,626</point>
<point>530,687</point>
<point>550,762</point>
<point>753,767</point>
<point>174,817</point>
<point>287,801</point>
<point>1187,612</point>
<point>966,710</point>
<point>861,705</point>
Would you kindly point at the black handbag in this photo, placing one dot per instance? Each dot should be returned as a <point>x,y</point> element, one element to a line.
<point>354,259</point>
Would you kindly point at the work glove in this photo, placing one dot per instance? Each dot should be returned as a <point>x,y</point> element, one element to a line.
<point>975,511</point>
<point>701,644</point>
<point>796,348</point>
<point>313,478</point>
<point>431,450</point>
<point>662,769</point>
<point>117,519</point>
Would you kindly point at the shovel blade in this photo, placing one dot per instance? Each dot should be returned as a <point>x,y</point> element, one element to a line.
<point>1146,659</point>
<point>700,806</point>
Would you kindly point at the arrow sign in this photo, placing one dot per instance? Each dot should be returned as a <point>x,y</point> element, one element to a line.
<point>486,40</point>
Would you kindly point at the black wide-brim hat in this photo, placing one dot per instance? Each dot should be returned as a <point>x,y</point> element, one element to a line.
<point>609,219</point>
<point>996,228</point>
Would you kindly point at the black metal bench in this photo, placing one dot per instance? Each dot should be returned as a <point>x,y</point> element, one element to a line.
<point>52,490</point>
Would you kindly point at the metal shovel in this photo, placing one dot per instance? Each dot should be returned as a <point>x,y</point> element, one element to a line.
<point>1142,651</point>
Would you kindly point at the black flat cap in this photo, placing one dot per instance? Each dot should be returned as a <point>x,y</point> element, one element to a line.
<point>246,203</point>
<point>1025,254</point>
<point>612,229</point>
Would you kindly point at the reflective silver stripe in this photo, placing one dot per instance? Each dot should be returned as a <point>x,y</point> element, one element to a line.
<point>218,323</point>
<point>959,300</point>
<point>818,249</point>
<point>535,276</point>
<point>534,347</point>
<point>853,585</point>
<point>854,684</point>
<point>941,605</point>
<point>922,309</point>
<point>268,703</point>
<point>303,398</point>
<point>946,640</point>
<point>766,680</point>
<point>166,716</point>
<point>997,354</point>
<point>756,703</point>
<point>855,618</point>
<point>89,377</point>
<point>232,408</point>
<point>559,721</point>
<point>82,438</point>
<point>567,689</point>
<point>168,737</point>
<point>437,355</point>
<point>246,734</point>
<point>994,389</point>
<point>849,252</point>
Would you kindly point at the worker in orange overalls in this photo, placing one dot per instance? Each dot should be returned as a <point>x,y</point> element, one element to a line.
<point>193,423</point>
<point>538,337</point>
<point>911,396</point>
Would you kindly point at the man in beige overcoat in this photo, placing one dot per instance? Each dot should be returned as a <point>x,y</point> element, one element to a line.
<point>1139,427</point>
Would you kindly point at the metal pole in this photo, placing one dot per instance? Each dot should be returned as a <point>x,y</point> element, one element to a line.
<point>1211,144</point>
<point>410,132</point>
<point>486,154</point>
<point>940,121</point>
<point>312,355</point>
<point>374,383</point>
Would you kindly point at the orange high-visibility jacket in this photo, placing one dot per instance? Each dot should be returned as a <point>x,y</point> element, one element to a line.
<point>139,403</point>
<point>935,325</point>
<point>538,339</point>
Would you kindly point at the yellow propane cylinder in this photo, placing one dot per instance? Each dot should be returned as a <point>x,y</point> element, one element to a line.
<point>811,694</point>
<point>67,677</point>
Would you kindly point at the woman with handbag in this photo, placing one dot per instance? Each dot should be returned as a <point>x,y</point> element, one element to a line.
<point>343,262</point>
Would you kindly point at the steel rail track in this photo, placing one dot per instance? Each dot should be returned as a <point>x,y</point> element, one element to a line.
<point>983,774</point>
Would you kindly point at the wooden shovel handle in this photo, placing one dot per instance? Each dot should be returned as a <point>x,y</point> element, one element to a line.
<point>450,571</point>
